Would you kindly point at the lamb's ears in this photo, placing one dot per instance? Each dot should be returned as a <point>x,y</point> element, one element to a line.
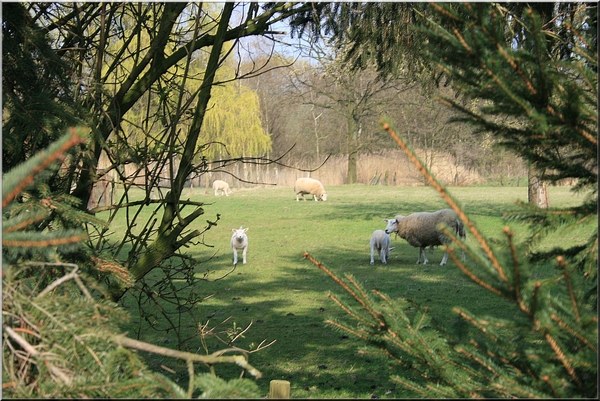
<point>233,229</point>
<point>246,229</point>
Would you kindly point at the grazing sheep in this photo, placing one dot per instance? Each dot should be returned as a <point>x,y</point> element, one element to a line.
<point>239,240</point>
<point>421,230</point>
<point>310,186</point>
<point>380,241</point>
<point>220,185</point>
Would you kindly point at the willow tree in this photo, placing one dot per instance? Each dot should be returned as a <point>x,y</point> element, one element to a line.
<point>233,119</point>
<point>143,77</point>
<point>126,57</point>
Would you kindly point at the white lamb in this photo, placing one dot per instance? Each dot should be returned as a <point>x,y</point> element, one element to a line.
<point>220,185</point>
<point>239,240</point>
<point>421,230</point>
<point>380,241</point>
<point>310,186</point>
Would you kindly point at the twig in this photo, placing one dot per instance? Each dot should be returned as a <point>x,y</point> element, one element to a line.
<point>212,359</point>
<point>241,333</point>
<point>22,342</point>
<point>59,281</point>
<point>36,354</point>
<point>190,366</point>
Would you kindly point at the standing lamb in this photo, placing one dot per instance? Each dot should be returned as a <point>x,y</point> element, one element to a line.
<point>220,185</point>
<point>380,241</point>
<point>421,230</point>
<point>310,186</point>
<point>239,240</point>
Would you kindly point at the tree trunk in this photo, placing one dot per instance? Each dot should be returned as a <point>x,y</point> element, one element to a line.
<point>352,168</point>
<point>172,223</point>
<point>353,146</point>
<point>537,191</point>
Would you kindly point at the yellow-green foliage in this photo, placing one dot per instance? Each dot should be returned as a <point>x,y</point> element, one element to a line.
<point>233,119</point>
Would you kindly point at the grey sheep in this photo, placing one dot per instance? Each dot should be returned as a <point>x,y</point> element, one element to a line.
<point>421,230</point>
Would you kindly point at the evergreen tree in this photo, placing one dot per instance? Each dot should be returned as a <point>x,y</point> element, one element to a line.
<point>61,336</point>
<point>36,91</point>
<point>403,49</point>
<point>549,348</point>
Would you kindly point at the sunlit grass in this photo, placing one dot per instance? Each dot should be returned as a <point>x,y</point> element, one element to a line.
<point>284,297</point>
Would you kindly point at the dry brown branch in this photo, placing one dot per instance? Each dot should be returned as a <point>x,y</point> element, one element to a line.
<point>210,360</point>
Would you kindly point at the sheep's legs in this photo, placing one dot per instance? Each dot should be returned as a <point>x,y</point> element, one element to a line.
<point>382,256</point>
<point>235,255</point>
<point>372,255</point>
<point>444,259</point>
<point>425,260</point>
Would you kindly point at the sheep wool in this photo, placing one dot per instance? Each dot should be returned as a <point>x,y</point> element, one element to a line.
<point>421,230</point>
<point>239,240</point>
<point>309,186</point>
<point>380,242</point>
<point>220,185</point>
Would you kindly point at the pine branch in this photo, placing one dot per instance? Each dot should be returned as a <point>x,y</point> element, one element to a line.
<point>580,337</point>
<point>11,188</point>
<point>563,263</point>
<point>563,359</point>
<point>349,311</point>
<point>22,240</point>
<point>410,385</point>
<point>342,284</point>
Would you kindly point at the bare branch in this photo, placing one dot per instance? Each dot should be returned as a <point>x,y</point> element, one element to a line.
<point>240,360</point>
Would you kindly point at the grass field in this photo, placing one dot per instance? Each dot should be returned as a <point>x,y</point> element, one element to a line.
<point>284,296</point>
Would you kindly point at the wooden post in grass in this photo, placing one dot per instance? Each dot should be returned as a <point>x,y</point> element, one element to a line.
<point>279,389</point>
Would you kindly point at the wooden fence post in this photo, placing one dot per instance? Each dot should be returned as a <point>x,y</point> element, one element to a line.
<point>279,389</point>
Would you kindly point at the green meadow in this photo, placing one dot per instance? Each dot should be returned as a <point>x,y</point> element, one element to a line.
<point>283,297</point>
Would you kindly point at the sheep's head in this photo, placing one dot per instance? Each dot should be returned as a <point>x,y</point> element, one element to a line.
<point>392,225</point>
<point>324,197</point>
<point>239,234</point>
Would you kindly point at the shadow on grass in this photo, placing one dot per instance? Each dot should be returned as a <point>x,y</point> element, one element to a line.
<point>285,298</point>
